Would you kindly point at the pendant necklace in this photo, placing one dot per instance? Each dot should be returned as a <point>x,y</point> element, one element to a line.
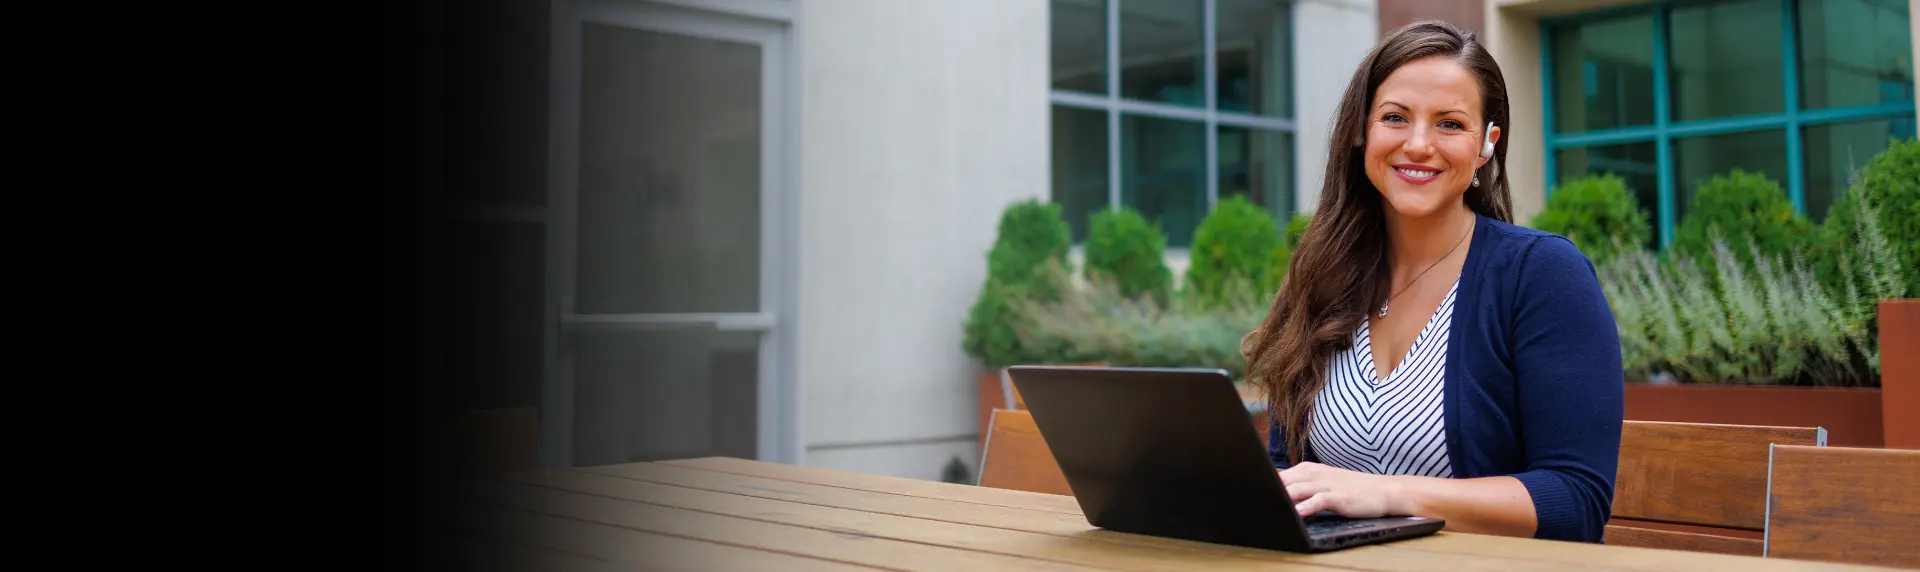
<point>1436,262</point>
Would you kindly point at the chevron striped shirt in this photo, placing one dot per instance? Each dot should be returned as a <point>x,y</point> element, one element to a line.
<point>1391,426</point>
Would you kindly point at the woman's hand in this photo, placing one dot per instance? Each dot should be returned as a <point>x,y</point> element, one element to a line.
<point>1316,487</point>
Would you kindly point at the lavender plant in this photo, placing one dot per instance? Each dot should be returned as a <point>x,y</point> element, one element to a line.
<point>1755,318</point>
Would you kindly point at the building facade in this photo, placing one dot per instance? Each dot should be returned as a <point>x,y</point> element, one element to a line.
<point>755,227</point>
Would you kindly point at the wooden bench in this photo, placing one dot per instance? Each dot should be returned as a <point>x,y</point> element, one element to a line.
<point>1844,505</point>
<point>1696,486</point>
<point>1017,457</point>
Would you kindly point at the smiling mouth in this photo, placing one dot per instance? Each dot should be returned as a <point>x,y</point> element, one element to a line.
<point>1416,173</point>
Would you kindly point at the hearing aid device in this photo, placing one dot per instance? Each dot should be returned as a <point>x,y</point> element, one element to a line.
<point>1486,141</point>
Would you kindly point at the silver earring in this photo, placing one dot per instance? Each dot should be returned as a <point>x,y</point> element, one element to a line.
<point>1476,180</point>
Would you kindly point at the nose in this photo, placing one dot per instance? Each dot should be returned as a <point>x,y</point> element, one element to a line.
<point>1419,143</point>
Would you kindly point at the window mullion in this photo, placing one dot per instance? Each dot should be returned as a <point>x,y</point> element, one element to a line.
<point>1547,106</point>
<point>1113,104</point>
<point>1661,116</point>
<point>1213,139</point>
<point>1790,68</point>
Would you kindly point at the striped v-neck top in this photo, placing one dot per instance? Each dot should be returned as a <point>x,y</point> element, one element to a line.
<point>1391,426</point>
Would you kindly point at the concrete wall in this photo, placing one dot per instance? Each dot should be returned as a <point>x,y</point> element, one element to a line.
<point>1330,39</point>
<point>919,122</point>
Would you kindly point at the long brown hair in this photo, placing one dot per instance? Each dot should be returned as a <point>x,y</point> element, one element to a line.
<point>1340,267</point>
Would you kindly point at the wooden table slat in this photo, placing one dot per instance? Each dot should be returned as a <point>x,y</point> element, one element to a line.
<point>1551,554</point>
<point>629,546</point>
<point>885,484</point>
<point>720,518</point>
<point>1089,552</point>
<point>718,513</point>
<point>1379,557</point>
<point>1437,550</point>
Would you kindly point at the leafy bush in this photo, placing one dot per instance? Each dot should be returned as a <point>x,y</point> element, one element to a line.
<point>1031,235</point>
<point>1282,257</point>
<point>1097,324</point>
<point>1122,246</point>
<point>1752,318</point>
<point>1597,213</point>
<point>1748,208</point>
<point>1890,180</point>
<point>1234,243</point>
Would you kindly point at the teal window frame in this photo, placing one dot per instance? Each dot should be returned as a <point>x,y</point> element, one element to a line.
<point>1663,131</point>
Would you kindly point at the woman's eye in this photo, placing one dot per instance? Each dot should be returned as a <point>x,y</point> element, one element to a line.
<point>1392,118</point>
<point>1451,124</point>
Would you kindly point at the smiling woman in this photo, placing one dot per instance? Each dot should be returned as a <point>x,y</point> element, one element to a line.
<point>1425,356</point>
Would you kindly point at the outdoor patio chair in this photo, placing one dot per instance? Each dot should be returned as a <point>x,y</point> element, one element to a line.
<point>1017,458</point>
<point>1845,505</point>
<point>1696,486</point>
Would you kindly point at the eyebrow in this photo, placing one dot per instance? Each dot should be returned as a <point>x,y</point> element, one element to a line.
<point>1402,106</point>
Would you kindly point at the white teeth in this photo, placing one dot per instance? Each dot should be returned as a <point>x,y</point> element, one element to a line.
<point>1414,173</point>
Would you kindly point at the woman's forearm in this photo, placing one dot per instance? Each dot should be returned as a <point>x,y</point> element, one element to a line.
<point>1488,505</point>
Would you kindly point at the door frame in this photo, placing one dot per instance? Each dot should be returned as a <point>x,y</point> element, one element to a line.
<point>768,24</point>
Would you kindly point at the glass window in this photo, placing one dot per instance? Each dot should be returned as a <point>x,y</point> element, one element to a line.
<point>1603,74</point>
<point>1637,163</point>
<point>1163,173</point>
<point>1698,159</point>
<point>1855,52</point>
<point>651,203</point>
<point>1079,45</point>
<point>1156,159</point>
<point>670,222</point>
<point>1726,59</point>
<point>1160,51</point>
<point>1254,57</point>
<point>1725,71</point>
<point>1834,152</point>
<point>1258,164</point>
<point>1079,165</point>
<point>646,396</point>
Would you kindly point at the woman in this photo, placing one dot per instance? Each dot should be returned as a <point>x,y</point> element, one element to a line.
<point>1425,356</point>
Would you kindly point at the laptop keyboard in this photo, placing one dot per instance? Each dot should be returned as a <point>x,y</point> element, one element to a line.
<point>1328,525</point>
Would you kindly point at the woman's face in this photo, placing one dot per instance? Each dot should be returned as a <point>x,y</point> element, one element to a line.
<point>1423,136</point>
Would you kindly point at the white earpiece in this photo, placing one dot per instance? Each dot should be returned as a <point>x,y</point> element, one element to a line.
<point>1486,141</point>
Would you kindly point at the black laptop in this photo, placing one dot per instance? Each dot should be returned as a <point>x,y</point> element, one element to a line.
<point>1174,453</point>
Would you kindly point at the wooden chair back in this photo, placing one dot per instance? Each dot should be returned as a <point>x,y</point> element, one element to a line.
<point>1844,505</point>
<point>1017,457</point>
<point>1012,394</point>
<point>1696,486</point>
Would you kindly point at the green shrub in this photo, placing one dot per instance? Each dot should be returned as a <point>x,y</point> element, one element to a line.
<point>1122,246</point>
<point>1097,324</point>
<point>1282,257</point>
<point>1750,317</point>
<point>1231,251</point>
<point>1031,235</point>
<point>1747,208</point>
<point>1891,182</point>
<point>1597,213</point>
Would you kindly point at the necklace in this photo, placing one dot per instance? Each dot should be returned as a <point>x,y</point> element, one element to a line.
<point>1436,262</point>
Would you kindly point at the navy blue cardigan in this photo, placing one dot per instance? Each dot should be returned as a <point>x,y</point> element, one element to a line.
<point>1534,382</point>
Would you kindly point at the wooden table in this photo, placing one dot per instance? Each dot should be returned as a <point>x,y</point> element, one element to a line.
<point>732,514</point>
